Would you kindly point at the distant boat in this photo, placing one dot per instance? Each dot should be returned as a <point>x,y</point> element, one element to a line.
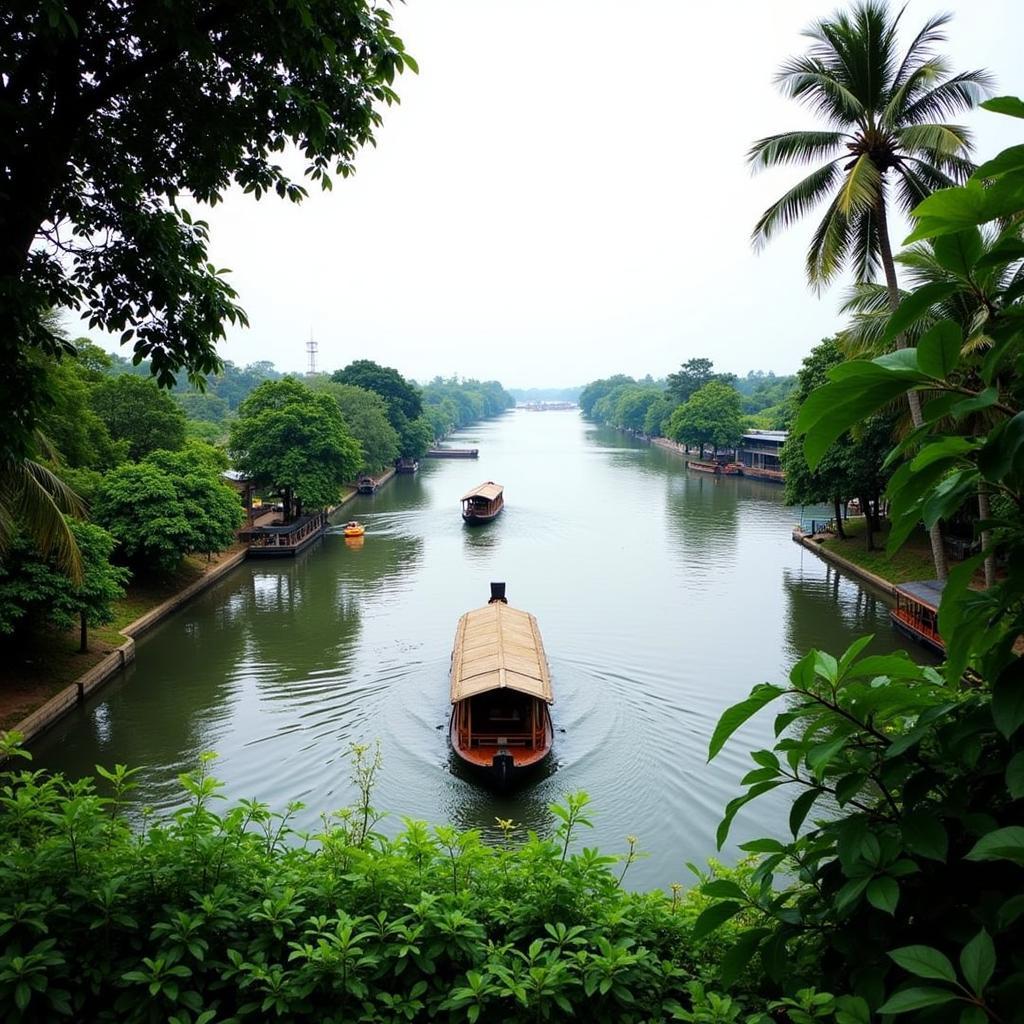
<point>366,484</point>
<point>407,465</point>
<point>483,503</point>
<point>451,453</point>
<point>500,692</point>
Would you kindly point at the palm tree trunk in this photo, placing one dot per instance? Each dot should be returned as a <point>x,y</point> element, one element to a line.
<point>913,398</point>
<point>985,512</point>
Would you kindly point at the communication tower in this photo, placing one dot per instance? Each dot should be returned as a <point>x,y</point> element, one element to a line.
<point>311,348</point>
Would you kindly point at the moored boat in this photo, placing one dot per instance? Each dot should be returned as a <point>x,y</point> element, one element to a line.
<point>917,612</point>
<point>500,691</point>
<point>703,465</point>
<point>366,484</point>
<point>407,464</point>
<point>483,503</point>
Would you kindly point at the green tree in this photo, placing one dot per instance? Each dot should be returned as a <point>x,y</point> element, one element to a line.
<point>365,415</point>
<point>632,405</point>
<point>293,439</point>
<point>657,416</point>
<point>598,389</point>
<point>883,138</point>
<point>712,416</point>
<point>35,589</point>
<point>136,411</point>
<point>415,437</point>
<point>692,376</point>
<point>402,396</point>
<point>109,116</point>
<point>169,505</point>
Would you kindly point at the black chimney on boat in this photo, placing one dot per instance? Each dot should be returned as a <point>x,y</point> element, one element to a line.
<point>498,593</point>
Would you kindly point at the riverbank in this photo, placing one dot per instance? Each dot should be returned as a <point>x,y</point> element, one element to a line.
<point>913,561</point>
<point>52,676</point>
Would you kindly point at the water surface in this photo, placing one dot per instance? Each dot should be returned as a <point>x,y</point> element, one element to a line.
<point>663,596</point>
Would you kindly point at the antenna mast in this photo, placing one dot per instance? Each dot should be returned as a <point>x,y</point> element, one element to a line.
<point>311,349</point>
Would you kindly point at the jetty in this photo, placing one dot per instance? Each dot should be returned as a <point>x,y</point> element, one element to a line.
<point>452,453</point>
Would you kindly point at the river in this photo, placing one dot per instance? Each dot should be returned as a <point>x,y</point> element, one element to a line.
<point>662,595</point>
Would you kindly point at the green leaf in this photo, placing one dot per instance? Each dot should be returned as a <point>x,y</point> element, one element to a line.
<point>724,888</point>
<point>734,805</point>
<point>978,961</point>
<point>973,1015</point>
<point>714,917</point>
<point>1008,705</point>
<point>734,717</point>
<point>914,306</point>
<point>820,757</point>
<point>1002,844</point>
<point>801,808</point>
<point>938,352</point>
<point>1010,911</point>
<point>925,962</point>
<point>1000,450</point>
<point>1015,775</point>
<point>983,400</point>
<point>915,999</point>
<point>1009,105</point>
<point>884,893</point>
<point>763,846</point>
<point>959,252</point>
<point>924,835</point>
<point>738,957</point>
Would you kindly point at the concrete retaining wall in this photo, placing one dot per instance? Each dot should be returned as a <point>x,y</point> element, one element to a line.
<point>74,694</point>
<point>887,588</point>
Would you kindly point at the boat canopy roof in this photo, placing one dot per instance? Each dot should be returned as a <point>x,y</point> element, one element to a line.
<point>926,592</point>
<point>489,490</point>
<point>498,647</point>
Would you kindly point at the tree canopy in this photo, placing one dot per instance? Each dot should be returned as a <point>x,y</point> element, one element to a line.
<point>365,415</point>
<point>294,440</point>
<point>35,589</point>
<point>169,505</point>
<point>110,116</point>
<point>692,376</point>
<point>136,411</point>
<point>712,416</point>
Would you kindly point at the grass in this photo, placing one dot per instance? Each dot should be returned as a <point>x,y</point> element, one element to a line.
<point>913,561</point>
<point>34,671</point>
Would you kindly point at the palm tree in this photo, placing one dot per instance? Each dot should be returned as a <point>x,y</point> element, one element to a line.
<point>971,303</point>
<point>33,500</point>
<point>887,137</point>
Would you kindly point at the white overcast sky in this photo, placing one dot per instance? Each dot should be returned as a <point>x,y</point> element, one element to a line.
<point>562,195</point>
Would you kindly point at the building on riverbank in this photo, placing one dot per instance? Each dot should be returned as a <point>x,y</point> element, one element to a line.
<point>758,452</point>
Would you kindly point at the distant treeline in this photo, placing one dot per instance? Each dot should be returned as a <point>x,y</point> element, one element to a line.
<point>524,395</point>
<point>695,405</point>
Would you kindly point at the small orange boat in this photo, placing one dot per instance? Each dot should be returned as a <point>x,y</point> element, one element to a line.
<point>500,692</point>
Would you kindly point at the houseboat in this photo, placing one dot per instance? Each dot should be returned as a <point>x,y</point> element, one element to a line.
<point>483,503</point>
<point>703,465</point>
<point>407,465</point>
<point>500,692</point>
<point>759,453</point>
<point>366,484</point>
<point>917,612</point>
<point>281,540</point>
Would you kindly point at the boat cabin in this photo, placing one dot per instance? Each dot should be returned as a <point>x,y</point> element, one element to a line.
<point>366,484</point>
<point>500,692</point>
<point>917,612</point>
<point>483,503</point>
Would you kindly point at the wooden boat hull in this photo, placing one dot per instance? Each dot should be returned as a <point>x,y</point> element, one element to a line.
<point>502,767</point>
<point>912,632</point>
<point>703,467</point>
<point>479,518</point>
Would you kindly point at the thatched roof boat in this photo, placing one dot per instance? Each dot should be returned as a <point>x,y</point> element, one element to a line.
<point>500,691</point>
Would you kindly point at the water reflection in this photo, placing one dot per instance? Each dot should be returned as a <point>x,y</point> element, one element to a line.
<point>662,595</point>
